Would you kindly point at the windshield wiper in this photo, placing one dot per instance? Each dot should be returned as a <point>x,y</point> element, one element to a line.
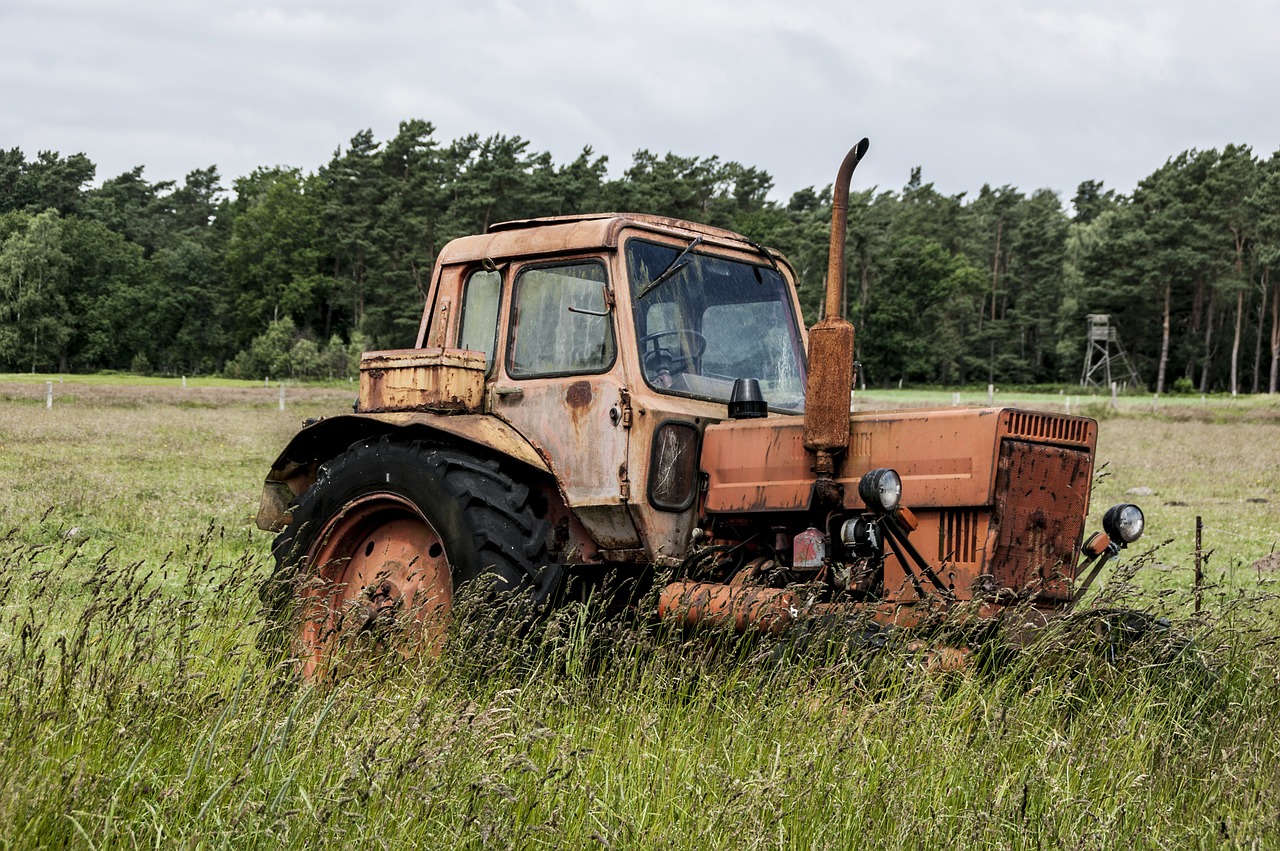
<point>767,256</point>
<point>674,266</point>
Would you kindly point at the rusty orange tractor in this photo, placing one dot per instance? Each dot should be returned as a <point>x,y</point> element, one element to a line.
<point>613,392</point>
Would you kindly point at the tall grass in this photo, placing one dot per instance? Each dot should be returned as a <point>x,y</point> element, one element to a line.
<point>137,710</point>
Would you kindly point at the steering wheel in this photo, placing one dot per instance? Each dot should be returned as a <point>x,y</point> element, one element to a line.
<point>662,357</point>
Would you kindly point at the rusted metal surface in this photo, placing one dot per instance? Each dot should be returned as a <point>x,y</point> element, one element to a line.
<point>1045,492</point>
<point>739,607</point>
<point>296,466</point>
<point>830,379</point>
<point>744,607</point>
<point>438,380</point>
<point>946,456</point>
<point>380,577</point>
<point>830,386</point>
<point>577,424</point>
<point>559,235</point>
<point>756,465</point>
<point>1002,492</point>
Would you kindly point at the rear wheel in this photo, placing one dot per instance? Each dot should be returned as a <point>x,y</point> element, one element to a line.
<point>377,548</point>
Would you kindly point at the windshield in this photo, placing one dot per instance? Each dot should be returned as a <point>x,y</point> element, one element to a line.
<point>703,321</point>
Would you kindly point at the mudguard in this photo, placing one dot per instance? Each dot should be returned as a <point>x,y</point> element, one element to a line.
<point>295,469</point>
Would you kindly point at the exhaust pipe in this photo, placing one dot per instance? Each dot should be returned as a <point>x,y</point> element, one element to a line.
<point>829,388</point>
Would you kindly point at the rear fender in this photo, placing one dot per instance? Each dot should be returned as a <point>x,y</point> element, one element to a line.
<point>296,468</point>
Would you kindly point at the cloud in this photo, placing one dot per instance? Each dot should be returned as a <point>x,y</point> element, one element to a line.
<point>994,91</point>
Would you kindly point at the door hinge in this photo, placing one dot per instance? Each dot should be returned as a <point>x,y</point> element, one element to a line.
<point>624,484</point>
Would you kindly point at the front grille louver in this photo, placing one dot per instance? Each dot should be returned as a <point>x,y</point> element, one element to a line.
<point>1035,426</point>
<point>958,537</point>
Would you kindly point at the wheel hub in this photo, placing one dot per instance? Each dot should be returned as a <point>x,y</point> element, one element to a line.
<point>380,572</point>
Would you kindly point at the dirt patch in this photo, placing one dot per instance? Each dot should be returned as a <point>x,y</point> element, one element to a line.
<point>1269,563</point>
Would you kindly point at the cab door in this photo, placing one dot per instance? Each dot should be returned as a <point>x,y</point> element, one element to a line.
<point>561,386</point>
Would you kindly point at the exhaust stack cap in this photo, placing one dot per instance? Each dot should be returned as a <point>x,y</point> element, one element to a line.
<point>746,402</point>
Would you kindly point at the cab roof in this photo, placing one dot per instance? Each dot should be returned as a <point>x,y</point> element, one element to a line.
<point>566,234</point>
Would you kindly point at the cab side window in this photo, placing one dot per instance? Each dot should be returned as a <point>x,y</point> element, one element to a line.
<point>480,314</point>
<point>561,323</point>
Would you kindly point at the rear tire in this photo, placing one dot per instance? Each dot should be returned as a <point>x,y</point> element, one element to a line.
<point>377,548</point>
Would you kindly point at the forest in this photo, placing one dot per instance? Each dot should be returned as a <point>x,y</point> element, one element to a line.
<point>291,274</point>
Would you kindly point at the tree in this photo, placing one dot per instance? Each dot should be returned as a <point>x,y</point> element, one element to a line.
<point>349,196</point>
<point>1036,279</point>
<point>918,321</point>
<point>133,208</point>
<point>48,182</point>
<point>1156,253</point>
<point>1264,211</point>
<point>273,256</point>
<point>34,279</point>
<point>1230,184</point>
<point>1092,201</point>
<point>112,286</point>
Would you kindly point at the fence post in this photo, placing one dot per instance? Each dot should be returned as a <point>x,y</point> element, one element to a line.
<point>282,395</point>
<point>1199,564</point>
<point>48,394</point>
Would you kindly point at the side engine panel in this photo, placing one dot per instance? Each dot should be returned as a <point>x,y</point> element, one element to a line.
<point>998,497</point>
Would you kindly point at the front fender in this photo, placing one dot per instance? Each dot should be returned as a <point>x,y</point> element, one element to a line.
<point>296,467</point>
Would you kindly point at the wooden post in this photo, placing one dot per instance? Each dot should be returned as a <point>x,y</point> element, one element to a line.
<point>48,394</point>
<point>1199,591</point>
<point>282,395</point>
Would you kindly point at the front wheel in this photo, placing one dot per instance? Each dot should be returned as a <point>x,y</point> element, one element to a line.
<point>377,547</point>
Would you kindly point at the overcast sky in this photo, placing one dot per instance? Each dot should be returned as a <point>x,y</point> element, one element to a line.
<point>1033,94</point>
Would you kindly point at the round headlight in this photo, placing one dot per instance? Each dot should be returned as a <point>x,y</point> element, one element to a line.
<point>881,489</point>
<point>1124,523</point>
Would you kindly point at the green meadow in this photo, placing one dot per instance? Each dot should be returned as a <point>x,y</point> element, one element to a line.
<point>137,710</point>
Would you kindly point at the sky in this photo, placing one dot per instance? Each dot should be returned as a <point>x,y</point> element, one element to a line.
<point>1018,92</point>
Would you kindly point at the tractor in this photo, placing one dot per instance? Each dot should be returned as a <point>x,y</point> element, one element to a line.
<point>624,394</point>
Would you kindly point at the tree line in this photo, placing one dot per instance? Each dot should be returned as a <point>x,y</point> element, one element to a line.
<point>293,274</point>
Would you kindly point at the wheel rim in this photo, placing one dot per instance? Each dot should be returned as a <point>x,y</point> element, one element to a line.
<point>380,578</point>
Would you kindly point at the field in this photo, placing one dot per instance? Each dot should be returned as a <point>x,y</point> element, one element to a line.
<point>137,710</point>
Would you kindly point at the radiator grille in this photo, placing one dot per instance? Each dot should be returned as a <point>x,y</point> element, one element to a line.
<point>958,537</point>
<point>1042,496</point>
<point>1037,426</point>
